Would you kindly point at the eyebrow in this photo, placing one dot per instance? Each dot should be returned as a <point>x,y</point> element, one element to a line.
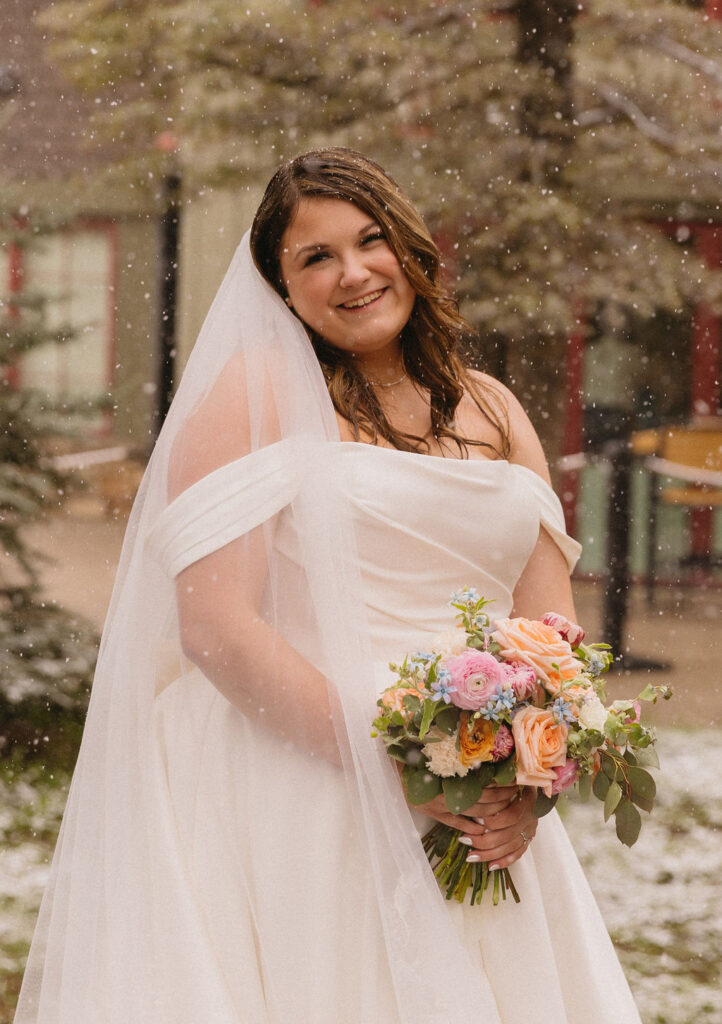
<point>315,246</point>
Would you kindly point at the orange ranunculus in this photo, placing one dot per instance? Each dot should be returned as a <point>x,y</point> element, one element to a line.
<point>540,646</point>
<point>476,738</point>
<point>541,745</point>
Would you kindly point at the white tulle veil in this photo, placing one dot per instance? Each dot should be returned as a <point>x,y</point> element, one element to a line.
<point>123,933</point>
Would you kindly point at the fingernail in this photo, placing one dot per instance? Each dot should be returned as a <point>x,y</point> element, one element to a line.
<point>466,840</point>
<point>474,858</point>
<point>479,821</point>
<point>492,867</point>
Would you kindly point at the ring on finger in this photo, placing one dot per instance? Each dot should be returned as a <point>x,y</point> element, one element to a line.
<point>525,837</point>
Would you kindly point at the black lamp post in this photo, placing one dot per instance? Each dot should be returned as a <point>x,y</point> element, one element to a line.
<point>169,231</point>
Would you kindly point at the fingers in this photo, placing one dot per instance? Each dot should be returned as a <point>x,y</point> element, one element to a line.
<point>512,813</point>
<point>500,848</point>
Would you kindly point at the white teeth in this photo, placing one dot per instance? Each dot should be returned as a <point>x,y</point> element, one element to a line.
<point>362,302</point>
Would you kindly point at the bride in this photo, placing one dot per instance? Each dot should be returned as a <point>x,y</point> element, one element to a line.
<point>237,848</point>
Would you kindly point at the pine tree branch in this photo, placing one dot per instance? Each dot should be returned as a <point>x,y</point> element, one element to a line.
<point>636,115</point>
<point>683,53</point>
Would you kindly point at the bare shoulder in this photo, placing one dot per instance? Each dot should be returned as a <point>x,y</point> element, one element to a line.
<point>526,449</point>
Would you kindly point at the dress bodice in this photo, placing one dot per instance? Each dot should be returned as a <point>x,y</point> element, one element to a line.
<point>424,527</point>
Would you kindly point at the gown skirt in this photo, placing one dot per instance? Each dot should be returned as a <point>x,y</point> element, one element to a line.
<point>287,898</point>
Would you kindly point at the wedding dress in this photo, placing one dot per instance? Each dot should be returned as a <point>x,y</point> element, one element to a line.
<point>236,847</point>
<point>425,526</point>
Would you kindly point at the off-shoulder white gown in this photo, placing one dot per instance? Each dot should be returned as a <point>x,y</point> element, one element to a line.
<point>288,901</point>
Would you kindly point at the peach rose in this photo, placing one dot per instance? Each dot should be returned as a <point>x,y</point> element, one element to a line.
<point>477,739</point>
<point>394,699</point>
<point>541,746</point>
<point>540,646</point>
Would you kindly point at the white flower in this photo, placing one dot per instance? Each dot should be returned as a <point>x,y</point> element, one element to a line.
<point>442,757</point>
<point>593,714</point>
<point>451,641</point>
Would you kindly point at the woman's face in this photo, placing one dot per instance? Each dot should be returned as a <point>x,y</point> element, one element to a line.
<point>342,277</point>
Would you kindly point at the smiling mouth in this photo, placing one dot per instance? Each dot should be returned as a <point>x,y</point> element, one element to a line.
<point>364,301</point>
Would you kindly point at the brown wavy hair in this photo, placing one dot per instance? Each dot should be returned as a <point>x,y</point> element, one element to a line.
<point>435,335</point>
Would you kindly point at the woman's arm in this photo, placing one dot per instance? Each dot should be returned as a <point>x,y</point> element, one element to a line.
<point>219,596</point>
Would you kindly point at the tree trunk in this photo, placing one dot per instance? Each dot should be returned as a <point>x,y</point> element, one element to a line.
<point>544,47</point>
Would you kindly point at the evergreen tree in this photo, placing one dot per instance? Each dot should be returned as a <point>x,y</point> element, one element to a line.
<point>46,654</point>
<point>524,129</point>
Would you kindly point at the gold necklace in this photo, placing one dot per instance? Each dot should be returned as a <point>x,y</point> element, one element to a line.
<point>389,384</point>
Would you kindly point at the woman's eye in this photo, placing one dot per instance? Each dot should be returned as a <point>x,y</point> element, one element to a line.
<point>378,236</point>
<point>315,257</point>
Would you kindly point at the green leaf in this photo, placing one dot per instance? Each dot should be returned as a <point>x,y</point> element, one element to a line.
<point>609,767</point>
<point>640,801</point>
<point>648,756</point>
<point>398,752</point>
<point>411,703</point>
<point>600,786</point>
<point>421,785</point>
<point>427,718</point>
<point>447,720</point>
<point>505,772</point>
<point>628,822</point>
<point>642,784</point>
<point>460,794</point>
<point>648,693</point>
<point>611,801</point>
<point>543,803</point>
<point>629,757</point>
<point>585,786</point>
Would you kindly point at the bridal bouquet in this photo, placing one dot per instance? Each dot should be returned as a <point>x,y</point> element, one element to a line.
<point>513,701</point>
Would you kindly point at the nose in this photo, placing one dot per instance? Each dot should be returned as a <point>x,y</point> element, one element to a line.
<point>353,270</point>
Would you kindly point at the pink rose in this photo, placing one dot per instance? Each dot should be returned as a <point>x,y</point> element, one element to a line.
<point>503,743</point>
<point>566,776</point>
<point>477,676</point>
<point>522,679</point>
<point>566,629</point>
<point>541,746</point>
<point>534,643</point>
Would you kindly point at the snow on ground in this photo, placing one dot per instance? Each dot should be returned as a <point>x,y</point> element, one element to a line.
<point>660,899</point>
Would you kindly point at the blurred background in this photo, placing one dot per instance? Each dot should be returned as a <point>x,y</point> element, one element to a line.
<point>567,157</point>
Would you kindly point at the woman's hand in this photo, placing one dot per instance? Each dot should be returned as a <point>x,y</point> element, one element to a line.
<point>497,828</point>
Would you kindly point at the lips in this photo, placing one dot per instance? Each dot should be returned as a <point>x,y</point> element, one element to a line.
<point>363,301</point>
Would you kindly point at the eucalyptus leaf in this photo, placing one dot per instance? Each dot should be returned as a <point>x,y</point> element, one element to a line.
<point>642,783</point>
<point>600,786</point>
<point>648,756</point>
<point>505,772</point>
<point>630,757</point>
<point>609,768</point>
<point>460,794</point>
<point>640,801</point>
<point>585,786</point>
<point>611,801</point>
<point>628,822</point>
<point>411,703</point>
<point>648,693</point>
<point>543,804</point>
<point>446,720</point>
<point>421,785</point>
